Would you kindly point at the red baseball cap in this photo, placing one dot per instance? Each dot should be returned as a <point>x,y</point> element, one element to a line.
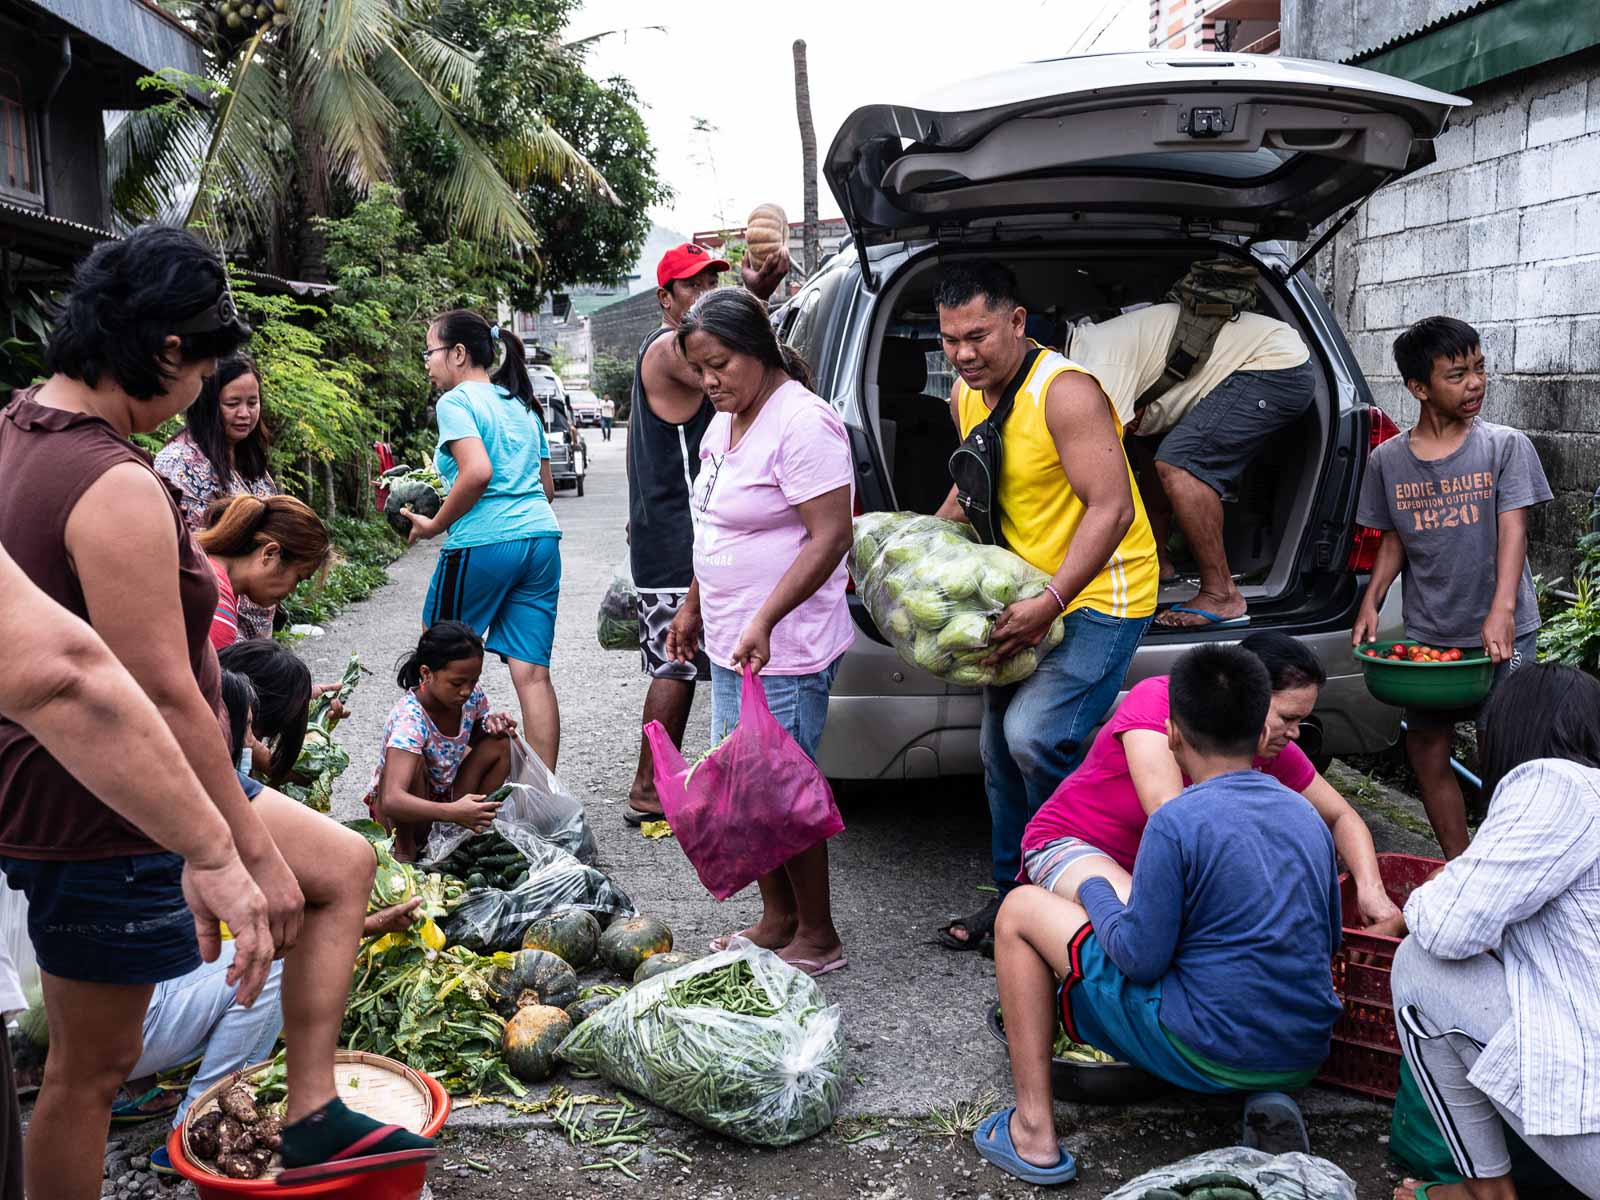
<point>685,262</point>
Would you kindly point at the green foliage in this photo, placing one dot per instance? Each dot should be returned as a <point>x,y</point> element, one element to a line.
<point>365,548</point>
<point>613,375</point>
<point>1571,631</point>
<point>22,342</point>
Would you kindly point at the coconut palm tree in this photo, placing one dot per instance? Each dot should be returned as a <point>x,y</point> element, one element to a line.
<point>808,154</point>
<point>307,98</point>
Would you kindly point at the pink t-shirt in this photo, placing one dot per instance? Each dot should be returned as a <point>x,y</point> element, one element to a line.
<point>748,532</point>
<point>1098,803</point>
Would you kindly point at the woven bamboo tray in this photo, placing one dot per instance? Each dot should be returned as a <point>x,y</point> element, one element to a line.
<point>379,1087</point>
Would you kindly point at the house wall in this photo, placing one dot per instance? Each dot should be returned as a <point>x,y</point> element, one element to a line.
<point>617,329</point>
<point>1502,231</point>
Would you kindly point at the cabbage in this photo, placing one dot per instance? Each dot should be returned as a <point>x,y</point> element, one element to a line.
<point>955,577</point>
<point>970,676</point>
<point>964,631</point>
<point>903,550</point>
<point>997,586</point>
<point>927,606</point>
<point>1052,639</point>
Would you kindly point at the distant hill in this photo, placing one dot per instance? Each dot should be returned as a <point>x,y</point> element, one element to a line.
<point>658,243</point>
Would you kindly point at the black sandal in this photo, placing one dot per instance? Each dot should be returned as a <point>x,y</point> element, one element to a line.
<point>636,817</point>
<point>979,927</point>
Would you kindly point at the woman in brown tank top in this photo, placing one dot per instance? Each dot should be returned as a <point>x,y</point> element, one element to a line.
<point>87,518</point>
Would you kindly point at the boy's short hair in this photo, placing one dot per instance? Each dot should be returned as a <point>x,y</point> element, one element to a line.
<point>964,282</point>
<point>1219,699</point>
<point>1432,338</point>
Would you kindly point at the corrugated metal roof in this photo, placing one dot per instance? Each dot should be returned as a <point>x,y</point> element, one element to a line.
<point>140,32</point>
<point>1457,13</point>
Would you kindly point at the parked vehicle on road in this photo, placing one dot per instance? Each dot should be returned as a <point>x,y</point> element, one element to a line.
<point>569,453</point>
<point>585,405</point>
<point>1099,180</point>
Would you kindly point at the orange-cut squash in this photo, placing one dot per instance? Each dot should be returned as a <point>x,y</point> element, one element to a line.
<point>765,231</point>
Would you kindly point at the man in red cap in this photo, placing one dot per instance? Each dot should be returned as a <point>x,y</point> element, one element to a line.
<point>665,424</point>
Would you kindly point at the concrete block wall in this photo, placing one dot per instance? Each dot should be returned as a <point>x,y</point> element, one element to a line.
<point>1503,231</point>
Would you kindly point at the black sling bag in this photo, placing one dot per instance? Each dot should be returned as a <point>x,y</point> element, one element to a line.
<point>975,466</point>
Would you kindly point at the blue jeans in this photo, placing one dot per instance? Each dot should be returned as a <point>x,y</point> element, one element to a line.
<point>799,702</point>
<point>1035,733</point>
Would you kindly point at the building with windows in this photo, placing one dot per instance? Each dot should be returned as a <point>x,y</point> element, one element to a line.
<point>1227,26</point>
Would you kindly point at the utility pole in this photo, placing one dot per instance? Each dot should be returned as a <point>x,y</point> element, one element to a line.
<point>808,154</point>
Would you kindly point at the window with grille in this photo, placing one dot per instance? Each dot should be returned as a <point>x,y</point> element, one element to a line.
<point>19,166</point>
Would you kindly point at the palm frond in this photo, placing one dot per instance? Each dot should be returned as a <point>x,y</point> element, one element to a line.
<point>346,107</point>
<point>453,68</point>
<point>150,159</point>
<point>242,165</point>
<point>584,43</point>
<point>347,31</point>
<point>538,154</point>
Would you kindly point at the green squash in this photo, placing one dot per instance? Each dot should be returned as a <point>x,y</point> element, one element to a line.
<point>581,1010</point>
<point>419,496</point>
<point>572,935</point>
<point>628,943</point>
<point>659,964</point>
<point>551,981</point>
<point>531,1038</point>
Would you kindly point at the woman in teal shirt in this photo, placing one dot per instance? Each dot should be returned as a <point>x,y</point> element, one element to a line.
<point>500,570</point>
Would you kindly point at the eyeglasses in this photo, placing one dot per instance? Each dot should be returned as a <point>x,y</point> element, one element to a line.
<point>427,354</point>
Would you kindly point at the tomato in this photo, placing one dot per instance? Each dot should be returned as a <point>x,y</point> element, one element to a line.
<point>1370,653</point>
<point>1453,654</point>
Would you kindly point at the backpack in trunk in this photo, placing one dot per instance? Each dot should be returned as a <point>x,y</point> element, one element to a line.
<point>975,466</point>
<point>1213,293</point>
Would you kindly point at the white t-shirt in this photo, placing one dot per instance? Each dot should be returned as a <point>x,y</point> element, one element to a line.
<point>607,408</point>
<point>1128,353</point>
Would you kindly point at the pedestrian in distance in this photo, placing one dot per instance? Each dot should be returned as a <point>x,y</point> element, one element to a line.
<point>668,418</point>
<point>500,569</point>
<point>1069,507</point>
<point>1451,496</point>
<point>87,518</point>
<point>608,414</point>
<point>772,505</point>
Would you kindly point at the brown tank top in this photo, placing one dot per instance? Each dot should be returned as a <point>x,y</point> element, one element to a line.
<point>48,459</point>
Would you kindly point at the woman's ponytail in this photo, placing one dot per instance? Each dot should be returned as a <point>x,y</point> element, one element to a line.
<point>236,525</point>
<point>795,365</point>
<point>465,328</point>
<point>513,372</point>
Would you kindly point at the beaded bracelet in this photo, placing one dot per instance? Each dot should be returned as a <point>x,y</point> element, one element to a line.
<point>1051,588</point>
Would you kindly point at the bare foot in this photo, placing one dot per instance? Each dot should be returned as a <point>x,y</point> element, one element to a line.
<point>1035,1141</point>
<point>1226,607</point>
<point>1499,1188</point>
<point>818,950</point>
<point>768,937</point>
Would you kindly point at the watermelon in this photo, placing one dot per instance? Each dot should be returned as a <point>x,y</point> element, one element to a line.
<point>550,981</point>
<point>531,1038</point>
<point>572,935</point>
<point>418,495</point>
<point>628,943</point>
<point>658,964</point>
<point>580,1011</point>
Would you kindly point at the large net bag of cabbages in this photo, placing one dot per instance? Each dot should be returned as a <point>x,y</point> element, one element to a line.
<point>935,593</point>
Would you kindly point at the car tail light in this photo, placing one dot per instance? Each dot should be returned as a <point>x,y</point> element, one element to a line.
<point>1364,542</point>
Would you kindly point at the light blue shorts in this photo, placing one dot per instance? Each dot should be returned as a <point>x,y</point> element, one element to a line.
<point>506,591</point>
<point>799,702</point>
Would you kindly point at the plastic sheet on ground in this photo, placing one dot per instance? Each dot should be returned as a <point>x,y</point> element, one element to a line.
<point>1284,1177</point>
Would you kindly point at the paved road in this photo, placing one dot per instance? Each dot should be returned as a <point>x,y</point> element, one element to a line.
<point>914,1014</point>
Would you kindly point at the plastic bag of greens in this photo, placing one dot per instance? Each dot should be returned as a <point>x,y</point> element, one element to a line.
<point>935,594</point>
<point>1254,1172</point>
<point>486,920</point>
<point>536,814</point>
<point>619,612</point>
<point>739,1042</point>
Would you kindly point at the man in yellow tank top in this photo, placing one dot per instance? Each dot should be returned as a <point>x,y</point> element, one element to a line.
<point>1068,506</point>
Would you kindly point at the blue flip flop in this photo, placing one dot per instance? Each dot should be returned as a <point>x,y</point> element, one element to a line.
<point>993,1140</point>
<point>1213,620</point>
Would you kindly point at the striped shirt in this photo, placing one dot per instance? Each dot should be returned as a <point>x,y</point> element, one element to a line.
<point>1528,888</point>
<point>225,619</point>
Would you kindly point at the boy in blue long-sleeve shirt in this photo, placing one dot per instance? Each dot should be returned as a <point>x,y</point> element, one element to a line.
<point>1213,973</point>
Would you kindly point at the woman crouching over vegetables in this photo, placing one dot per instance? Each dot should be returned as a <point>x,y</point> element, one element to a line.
<point>771,508</point>
<point>261,549</point>
<point>443,750</point>
<point>113,912</point>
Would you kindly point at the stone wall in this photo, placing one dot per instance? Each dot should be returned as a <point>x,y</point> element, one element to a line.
<point>1503,231</point>
<point>617,329</point>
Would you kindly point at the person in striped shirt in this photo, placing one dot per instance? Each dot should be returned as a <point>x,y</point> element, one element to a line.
<point>1496,994</point>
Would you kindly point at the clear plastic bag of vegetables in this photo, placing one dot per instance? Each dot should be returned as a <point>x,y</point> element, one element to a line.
<point>935,594</point>
<point>618,623</point>
<point>738,1041</point>
<point>1239,1169</point>
<point>488,919</point>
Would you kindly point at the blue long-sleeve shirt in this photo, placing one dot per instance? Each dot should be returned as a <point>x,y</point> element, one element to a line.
<point>1235,910</point>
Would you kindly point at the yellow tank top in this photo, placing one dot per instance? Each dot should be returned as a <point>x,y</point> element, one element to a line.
<point>1040,514</point>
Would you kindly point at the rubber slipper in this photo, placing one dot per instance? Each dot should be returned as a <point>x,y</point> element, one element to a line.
<point>813,968</point>
<point>1274,1124</point>
<point>638,816</point>
<point>1419,1189</point>
<point>132,1112</point>
<point>979,925</point>
<point>993,1140</point>
<point>1212,620</point>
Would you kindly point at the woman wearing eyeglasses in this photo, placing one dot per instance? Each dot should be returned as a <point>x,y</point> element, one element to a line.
<point>500,570</point>
<point>771,509</point>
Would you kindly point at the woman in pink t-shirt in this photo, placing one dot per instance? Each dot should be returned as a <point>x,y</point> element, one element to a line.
<point>771,508</point>
<point>1099,811</point>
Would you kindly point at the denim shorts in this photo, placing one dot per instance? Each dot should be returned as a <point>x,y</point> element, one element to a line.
<point>799,702</point>
<point>108,920</point>
<point>507,591</point>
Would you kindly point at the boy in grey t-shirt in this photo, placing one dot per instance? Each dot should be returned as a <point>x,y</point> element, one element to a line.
<point>1451,497</point>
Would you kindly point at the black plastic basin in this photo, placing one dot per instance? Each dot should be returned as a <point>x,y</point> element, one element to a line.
<point>1091,1083</point>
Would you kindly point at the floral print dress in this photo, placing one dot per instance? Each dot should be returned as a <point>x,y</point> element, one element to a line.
<point>190,471</point>
<point>409,727</point>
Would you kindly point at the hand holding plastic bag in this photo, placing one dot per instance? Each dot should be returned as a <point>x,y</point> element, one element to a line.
<point>750,805</point>
<point>618,625</point>
<point>537,810</point>
<point>935,594</point>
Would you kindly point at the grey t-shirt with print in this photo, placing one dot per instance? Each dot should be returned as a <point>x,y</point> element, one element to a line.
<point>1446,513</point>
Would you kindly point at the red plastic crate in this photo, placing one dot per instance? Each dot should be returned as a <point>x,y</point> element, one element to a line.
<point>1365,1054</point>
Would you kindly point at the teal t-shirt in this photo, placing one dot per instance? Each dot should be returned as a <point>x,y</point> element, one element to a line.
<point>514,506</point>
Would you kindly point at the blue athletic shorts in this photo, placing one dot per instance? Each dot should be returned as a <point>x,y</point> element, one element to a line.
<point>108,920</point>
<point>1103,1008</point>
<point>506,591</point>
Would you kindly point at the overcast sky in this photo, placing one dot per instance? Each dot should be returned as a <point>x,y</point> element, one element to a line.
<point>731,66</point>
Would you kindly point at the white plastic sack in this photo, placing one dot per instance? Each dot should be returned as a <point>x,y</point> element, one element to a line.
<point>537,808</point>
<point>1285,1177</point>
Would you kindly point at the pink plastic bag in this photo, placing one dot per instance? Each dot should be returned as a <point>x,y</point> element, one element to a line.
<point>750,805</point>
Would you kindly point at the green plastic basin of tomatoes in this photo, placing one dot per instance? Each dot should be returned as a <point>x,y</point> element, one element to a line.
<point>1442,685</point>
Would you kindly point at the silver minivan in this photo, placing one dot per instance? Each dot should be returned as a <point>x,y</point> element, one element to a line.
<point>1099,180</point>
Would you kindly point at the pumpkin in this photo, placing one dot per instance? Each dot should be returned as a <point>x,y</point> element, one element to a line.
<point>530,1041</point>
<point>503,994</point>
<point>418,495</point>
<point>764,232</point>
<point>659,964</point>
<point>628,943</point>
<point>572,935</point>
<point>581,1010</point>
<point>550,981</point>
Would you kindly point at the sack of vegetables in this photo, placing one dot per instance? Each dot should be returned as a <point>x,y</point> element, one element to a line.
<point>739,1042</point>
<point>618,626</point>
<point>489,919</point>
<point>935,594</point>
<point>536,811</point>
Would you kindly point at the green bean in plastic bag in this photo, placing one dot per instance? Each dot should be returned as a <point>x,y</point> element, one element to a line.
<point>617,625</point>
<point>935,594</point>
<point>739,1042</point>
